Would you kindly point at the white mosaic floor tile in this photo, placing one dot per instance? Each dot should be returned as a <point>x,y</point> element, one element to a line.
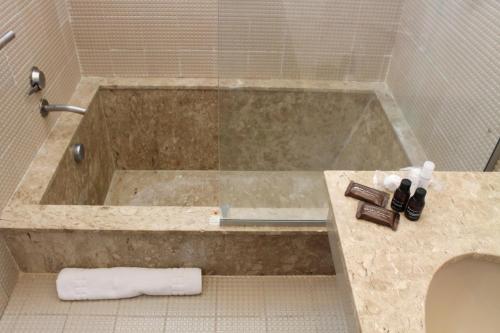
<point>39,324</point>
<point>43,299</point>
<point>241,324</point>
<point>291,324</point>
<point>325,295</point>
<point>190,324</point>
<point>8,323</point>
<point>26,285</point>
<point>139,324</point>
<point>198,305</point>
<point>86,324</point>
<point>240,296</point>
<point>331,323</point>
<point>228,304</point>
<point>285,296</point>
<point>104,307</point>
<point>151,306</point>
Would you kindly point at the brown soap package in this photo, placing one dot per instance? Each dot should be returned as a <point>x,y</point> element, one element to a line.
<point>378,215</point>
<point>367,194</point>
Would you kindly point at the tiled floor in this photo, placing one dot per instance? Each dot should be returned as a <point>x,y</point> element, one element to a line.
<point>228,304</point>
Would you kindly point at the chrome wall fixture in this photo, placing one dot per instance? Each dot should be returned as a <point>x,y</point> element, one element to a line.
<point>46,108</point>
<point>78,150</point>
<point>37,80</point>
<point>6,38</point>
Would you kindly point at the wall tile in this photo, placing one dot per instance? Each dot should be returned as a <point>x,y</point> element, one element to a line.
<point>445,74</point>
<point>43,38</point>
<point>285,39</point>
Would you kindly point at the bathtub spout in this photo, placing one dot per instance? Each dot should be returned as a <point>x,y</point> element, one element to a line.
<point>45,108</point>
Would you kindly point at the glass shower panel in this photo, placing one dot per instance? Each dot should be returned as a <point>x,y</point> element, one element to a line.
<point>270,159</point>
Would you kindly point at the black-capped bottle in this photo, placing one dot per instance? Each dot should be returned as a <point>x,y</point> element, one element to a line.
<point>401,196</point>
<point>416,205</point>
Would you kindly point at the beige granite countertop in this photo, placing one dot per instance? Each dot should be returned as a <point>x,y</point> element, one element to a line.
<point>389,272</point>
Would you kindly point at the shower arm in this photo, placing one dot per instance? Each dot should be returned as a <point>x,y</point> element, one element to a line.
<point>46,108</point>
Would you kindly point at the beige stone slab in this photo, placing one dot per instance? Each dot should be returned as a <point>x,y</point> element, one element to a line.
<point>240,189</point>
<point>46,161</point>
<point>371,143</point>
<point>215,252</point>
<point>162,129</point>
<point>163,188</point>
<point>133,218</point>
<point>293,129</point>
<point>87,181</point>
<point>409,142</point>
<point>389,272</point>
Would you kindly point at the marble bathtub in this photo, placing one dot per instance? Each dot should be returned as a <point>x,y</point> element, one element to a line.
<point>205,129</point>
<point>162,154</point>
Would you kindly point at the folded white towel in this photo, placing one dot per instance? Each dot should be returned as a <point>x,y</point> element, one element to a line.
<point>125,282</point>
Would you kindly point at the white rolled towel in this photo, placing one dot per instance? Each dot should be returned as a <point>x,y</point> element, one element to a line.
<point>124,282</point>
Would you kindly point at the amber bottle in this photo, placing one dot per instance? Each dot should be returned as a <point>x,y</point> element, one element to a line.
<point>401,196</point>
<point>416,205</point>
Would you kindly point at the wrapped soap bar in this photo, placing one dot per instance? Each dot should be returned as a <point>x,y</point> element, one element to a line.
<point>367,194</point>
<point>378,215</point>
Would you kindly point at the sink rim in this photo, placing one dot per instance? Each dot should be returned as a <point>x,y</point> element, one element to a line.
<point>469,256</point>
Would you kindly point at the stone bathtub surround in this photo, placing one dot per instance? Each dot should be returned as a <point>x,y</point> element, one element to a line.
<point>46,238</point>
<point>385,274</point>
<point>162,129</point>
<point>247,129</point>
<point>207,188</point>
<point>87,182</point>
<point>236,252</point>
<point>295,129</point>
<point>45,163</point>
<point>56,234</point>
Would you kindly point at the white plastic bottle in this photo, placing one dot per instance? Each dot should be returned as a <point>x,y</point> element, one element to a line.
<point>425,176</point>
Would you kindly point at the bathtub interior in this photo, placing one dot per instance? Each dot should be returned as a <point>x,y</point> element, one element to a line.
<point>256,153</point>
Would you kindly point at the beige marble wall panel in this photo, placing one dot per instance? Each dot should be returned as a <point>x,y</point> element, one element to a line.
<point>220,253</point>
<point>281,189</point>
<point>152,129</point>
<point>285,130</point>
<point>306,130</point>
<point>87,182</point>
<point>372,143</point>
<point>163,188</point>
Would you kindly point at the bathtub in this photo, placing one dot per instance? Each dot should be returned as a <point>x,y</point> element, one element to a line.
<point>166,159</point>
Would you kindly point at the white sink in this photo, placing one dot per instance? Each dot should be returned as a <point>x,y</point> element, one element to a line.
<point>464,296</point>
